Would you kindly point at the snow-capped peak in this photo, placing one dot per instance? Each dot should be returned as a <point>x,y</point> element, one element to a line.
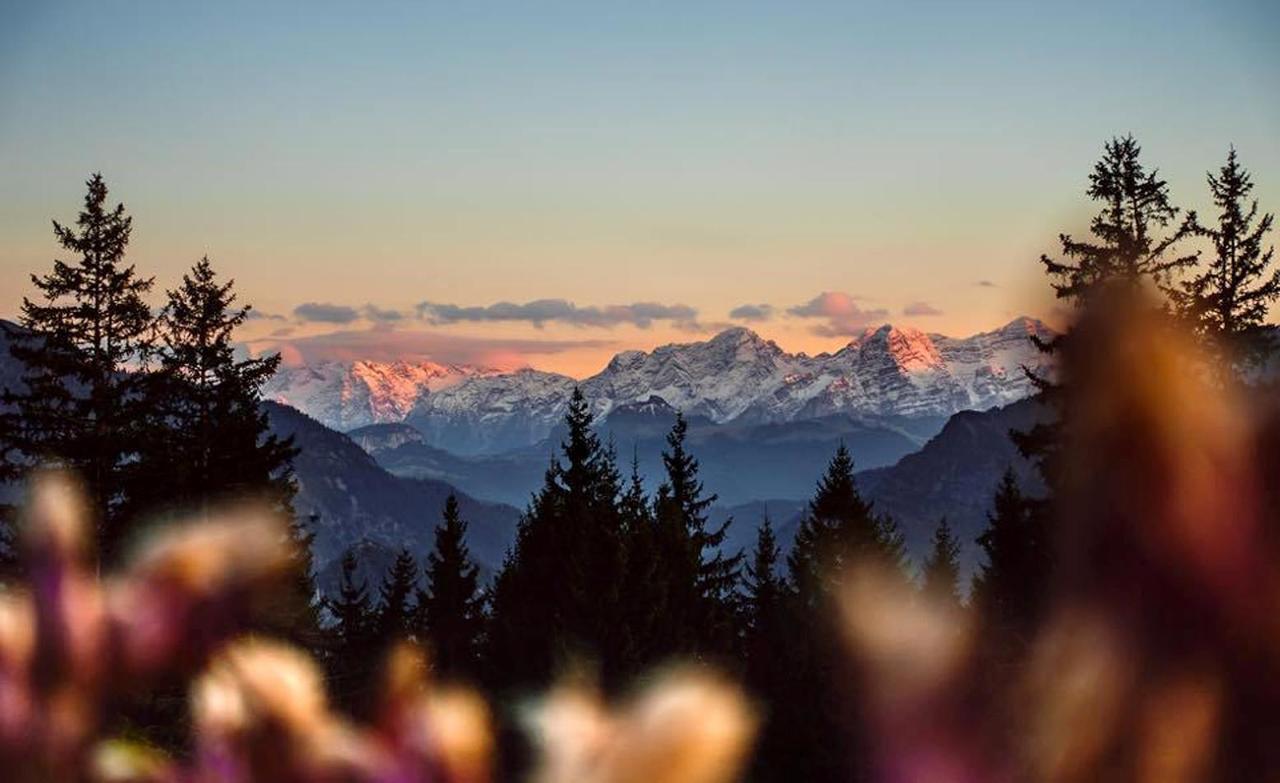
<point>736,374</point>
<point>347,395</point>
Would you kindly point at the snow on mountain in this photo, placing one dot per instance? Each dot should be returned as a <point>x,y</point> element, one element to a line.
<point>718,378</point>
<point>347,395</point>
<point>896,371</point>
<point>886,372</point>
<point>491,413</point>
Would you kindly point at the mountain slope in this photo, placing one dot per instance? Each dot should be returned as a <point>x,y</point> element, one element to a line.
<point>357,500</point>
<point>738,461</point>
<point>955,475</point>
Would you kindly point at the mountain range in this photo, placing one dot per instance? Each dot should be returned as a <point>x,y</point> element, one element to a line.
<point>887,374</point>
<point>382,485</point>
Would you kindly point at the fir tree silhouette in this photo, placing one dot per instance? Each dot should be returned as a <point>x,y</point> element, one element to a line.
<point>81,403</point>
<point>395,608</point>
<point>699,582</point>
<point>450,613</point>
<point>941,573</point>
<point>1227,301</point>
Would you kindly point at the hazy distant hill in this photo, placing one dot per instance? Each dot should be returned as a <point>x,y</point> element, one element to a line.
<point>955,475</point>
<point>740,462</point>
<point>357,500</point>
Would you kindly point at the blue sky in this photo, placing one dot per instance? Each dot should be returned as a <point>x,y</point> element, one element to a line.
<point>707,155</point>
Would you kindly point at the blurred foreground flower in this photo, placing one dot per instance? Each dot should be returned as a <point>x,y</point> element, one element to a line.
<point>686,727</point>
<point>71,644</point>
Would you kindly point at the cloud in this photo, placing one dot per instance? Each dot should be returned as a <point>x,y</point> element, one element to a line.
<point>389,345</point>
<point>325,313</point>
<point>542,311</point>
<point>985,284</point>
<point>258,315</point>
<point>842,314</point>
<point>920,308</point>
<point>752,312</point>
<point>377,314</point>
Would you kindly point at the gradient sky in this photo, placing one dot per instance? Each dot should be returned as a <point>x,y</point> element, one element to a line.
<point>347,163</point>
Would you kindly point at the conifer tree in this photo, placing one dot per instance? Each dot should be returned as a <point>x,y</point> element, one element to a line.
<point>941,573</point>
<point>450,609</point>
<point>1129,243</point>
<point>209,438</point>
<point>353,635</point>
<point>840,528</point>
<point>304,605</point>
<point>699,582</point>
<point>643,593</point>
<point>557,597</point>
<point>1009,589</point>
<point>634,505</point>
<point>766,647</point>
<point>1133,241</point>
<point>81,402</point>
<point>1227,301</point>
<point>766,593</point>
<point>395,610</point>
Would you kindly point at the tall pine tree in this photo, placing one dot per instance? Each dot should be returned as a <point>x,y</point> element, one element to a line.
<point>1227,301</point>
<point>209,438</point>
<point>1010,588</point>
<point>395,607</point>
<point>1130,242</point>
<point>556,599</point>
<point>352,636</point>
<point>940,577</point>
<point>699,584</point>
<point>643,593</point>
<point>90,330</point>
<point>768,635</point>
<point>450,610</point>
<point>1133,242</point>
<point>839,530</point>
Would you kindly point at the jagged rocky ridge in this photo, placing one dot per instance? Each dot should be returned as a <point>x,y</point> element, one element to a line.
<point>889,373</point>
<point>347,395</point>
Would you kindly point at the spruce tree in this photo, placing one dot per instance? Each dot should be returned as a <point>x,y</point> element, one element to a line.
<point>83,339</point>
<point>941,573</point>
<point>1133,241</point>
<point>304,603</point>
<point>699,582</point>
<point>766,628</point>
<point>1130,241</point>
<point>1227,301</point>
<point>556,600</point>
<point>766,645</point>
<point>450,609</point>
<point>1009,589</point>
<point>395,608</point>
<point>838,530</point>
<point>643,594</point>
<point>209,438</point>
<point>352,636</point>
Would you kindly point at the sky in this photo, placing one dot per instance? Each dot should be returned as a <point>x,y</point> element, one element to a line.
<point>550,183</point>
